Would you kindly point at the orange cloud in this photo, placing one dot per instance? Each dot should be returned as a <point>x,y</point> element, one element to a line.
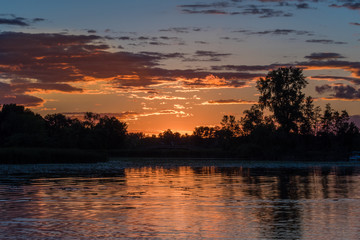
<point>131,115</point>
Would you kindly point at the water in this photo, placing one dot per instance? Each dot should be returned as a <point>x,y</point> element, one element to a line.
<point>233,200</point>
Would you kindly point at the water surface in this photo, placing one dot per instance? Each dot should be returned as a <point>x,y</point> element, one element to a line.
<point>161,201</point>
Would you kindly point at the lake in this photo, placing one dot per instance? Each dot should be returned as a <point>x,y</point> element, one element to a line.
<point>180,199</point>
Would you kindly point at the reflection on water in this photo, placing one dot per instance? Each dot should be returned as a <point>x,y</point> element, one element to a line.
<point>184,202</point>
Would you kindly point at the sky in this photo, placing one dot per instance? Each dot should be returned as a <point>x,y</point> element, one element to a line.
<point>173,64</point>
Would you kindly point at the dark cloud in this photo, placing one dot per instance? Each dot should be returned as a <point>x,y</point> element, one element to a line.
<point>28,86</point>
<point>157,43</point>
<point>228,8</point>
<point>350,4</point>
<point>263,12</point>
<point>355,23</point>
<point>18,21</point>
<point>21,99</point>
<point>201,55</point>
<point>274,32</point>
<point>209,11</point>
<point>242,68</point>
<point>7,96</point>
<point>335,78</point>
<point>302,6</point>
<point>163,55</point>
<point>233,39</point>
<point>325,41</point>
<point>323,89</point>
<point>341,92</point>
<point>91,31</point>
<point>53,62</point>
<point>125,38</point>
<point>14,21</point>
<point>212,8</point>
<point>211,54</point>
<point>168,38</point>
<point>176,30</point>
<point>147,40</point>
<point>353,67</point>
<point>201,42</point>
<point>279,32</point>
<point>324,56</point>
<point>181,29</point>
<point>227,102</point>
<point>221,4</point>
<point>38,19</point>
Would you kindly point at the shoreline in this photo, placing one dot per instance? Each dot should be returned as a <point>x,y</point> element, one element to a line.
<point>84,156</point>
<point>113,165</point>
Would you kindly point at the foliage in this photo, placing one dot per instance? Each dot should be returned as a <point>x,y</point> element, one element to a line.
<point>280,92</point>
<point>229,127</point>
<point>205,132</point>
<point>110,132</point>
<point>310,117</point>
<point>20,127</point>
<point>169,138</point>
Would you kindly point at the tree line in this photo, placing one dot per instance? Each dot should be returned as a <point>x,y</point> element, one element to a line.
<point>20,127</point>
<point>283,120</point>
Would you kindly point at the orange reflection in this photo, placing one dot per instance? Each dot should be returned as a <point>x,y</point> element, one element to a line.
<point>186,202</point>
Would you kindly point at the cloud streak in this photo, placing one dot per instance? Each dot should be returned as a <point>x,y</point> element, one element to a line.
<point>340,92</point>
<point>325,41</point>
<point>132,115</point>
<point>324,56</point>
<point>228,102</point>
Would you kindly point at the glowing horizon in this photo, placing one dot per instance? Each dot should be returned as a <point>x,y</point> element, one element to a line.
<point>177,64</point>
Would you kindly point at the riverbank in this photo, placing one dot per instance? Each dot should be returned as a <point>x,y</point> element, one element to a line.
<point>58,155</point>
<point>264,155</point>
<point>50,155</point>
<point>116,167</point>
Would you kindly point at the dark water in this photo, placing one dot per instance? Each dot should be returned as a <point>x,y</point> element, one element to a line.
<point>241,201</point>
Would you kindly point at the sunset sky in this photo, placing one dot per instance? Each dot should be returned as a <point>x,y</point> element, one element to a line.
<point>177,64</point>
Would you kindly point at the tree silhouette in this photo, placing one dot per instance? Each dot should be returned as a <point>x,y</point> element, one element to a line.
<point>253,118</point>
<point>170,138</point>
<point>280,92</point>
<point>90,119</point>
<point>310,117</point>
<point>229,127</point>
<point>21,127</point>
<point>110,132</point>
<point>204,132</point>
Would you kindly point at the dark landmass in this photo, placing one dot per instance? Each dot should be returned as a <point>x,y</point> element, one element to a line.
<point>296,130</point>
<point>49,155</point>
<point>204,153</point>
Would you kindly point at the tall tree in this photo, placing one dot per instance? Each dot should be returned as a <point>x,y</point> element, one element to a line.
<point>281,92</point>
<point>310,118</point>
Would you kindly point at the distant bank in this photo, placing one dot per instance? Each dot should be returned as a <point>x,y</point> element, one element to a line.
<point>52,155</point>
